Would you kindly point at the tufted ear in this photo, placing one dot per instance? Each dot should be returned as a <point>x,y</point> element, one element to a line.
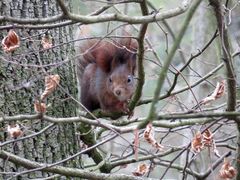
<point>116,62</point>
<point>131,63</point>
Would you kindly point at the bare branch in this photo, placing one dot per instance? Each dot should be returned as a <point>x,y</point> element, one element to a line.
<point>163,72</point>
<point>141,74</point>
<point>102,18</point>
<point>66,171</point>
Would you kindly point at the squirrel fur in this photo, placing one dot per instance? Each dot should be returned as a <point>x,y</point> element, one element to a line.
<point>106,73</point>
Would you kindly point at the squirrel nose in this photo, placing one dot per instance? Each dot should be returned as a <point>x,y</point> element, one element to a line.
<point>118,92</point>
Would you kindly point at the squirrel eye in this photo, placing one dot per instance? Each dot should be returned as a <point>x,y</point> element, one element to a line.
<point>129,79</point>
<point>110,80</point>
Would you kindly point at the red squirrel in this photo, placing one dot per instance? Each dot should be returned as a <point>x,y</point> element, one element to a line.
<point>106,73</point>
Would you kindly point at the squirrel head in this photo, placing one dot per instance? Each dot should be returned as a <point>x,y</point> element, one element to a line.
<point>121,80</point>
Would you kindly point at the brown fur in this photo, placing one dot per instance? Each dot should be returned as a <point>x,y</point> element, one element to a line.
<point>106,71</point>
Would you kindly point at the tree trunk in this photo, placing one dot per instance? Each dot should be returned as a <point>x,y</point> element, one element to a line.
<point>22,84</point>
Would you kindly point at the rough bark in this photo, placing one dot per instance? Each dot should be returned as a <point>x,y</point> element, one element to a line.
<point>21,85</point>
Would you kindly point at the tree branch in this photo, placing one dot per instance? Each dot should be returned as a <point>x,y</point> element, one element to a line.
<point>144,158</point>
<point>54,24</point>
<point>186,87</point>
<point>176,120</point>
<point>65,171</point>
<point>163,72</point>
<point>102,18</point>
<point>141,74</point>
<point>227,58</point>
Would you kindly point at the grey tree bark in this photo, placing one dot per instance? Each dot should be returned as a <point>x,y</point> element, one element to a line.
<point>22,84</point>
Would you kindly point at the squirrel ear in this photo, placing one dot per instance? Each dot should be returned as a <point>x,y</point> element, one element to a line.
<point>131,63</point>
<point>115,63</point>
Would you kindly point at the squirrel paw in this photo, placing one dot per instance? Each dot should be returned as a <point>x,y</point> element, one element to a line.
<point>130,114</point>
<point>127,111</point>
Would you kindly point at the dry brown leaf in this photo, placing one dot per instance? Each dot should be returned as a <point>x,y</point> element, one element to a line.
<point>208,138</point>
<point>14,130</point>
<point>221,89</point>
<point>141,170</point>
<point>208,141</point>
<point>200,141</point>
<point>40,107</point>
<point>11,41</point>
<point>217,93</point>
<point>197,143</point>
<point>46,41</point>
<point>149,137</point>
<point>51,83</point>
<point>227,171</point>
